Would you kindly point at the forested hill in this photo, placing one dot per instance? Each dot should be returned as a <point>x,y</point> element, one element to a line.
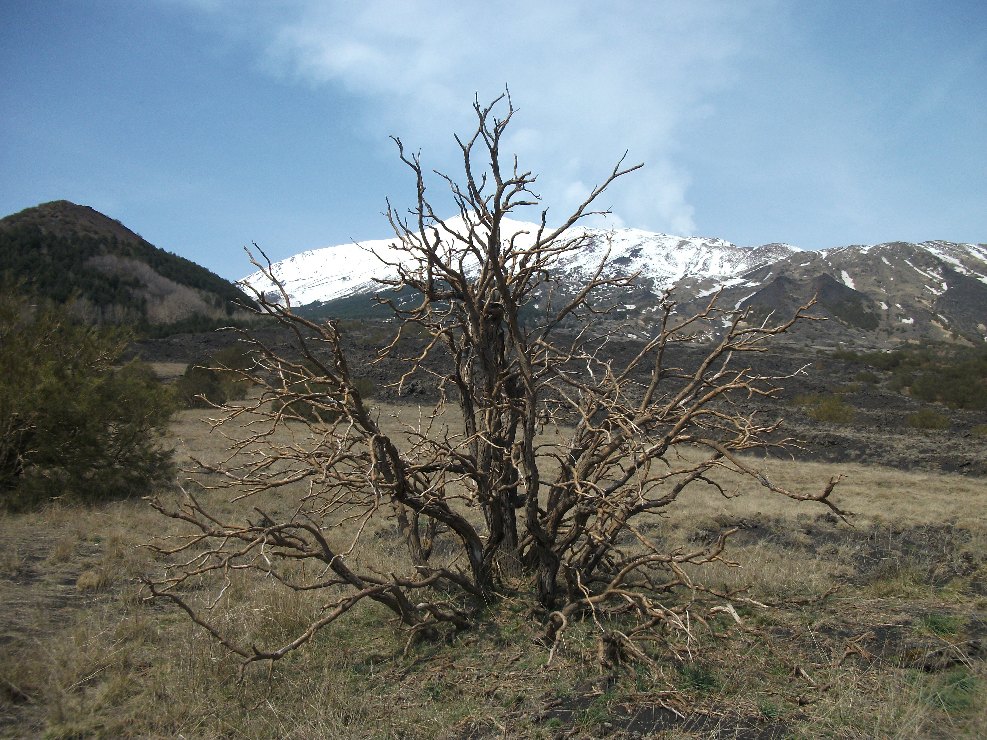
<point>108,274</point>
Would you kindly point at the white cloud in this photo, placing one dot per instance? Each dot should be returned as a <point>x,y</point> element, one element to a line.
<point>590,80</point>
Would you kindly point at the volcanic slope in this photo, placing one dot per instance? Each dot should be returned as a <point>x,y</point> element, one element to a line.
<point>74,254</point>
<point>662,261</point>
<point>877,295</point>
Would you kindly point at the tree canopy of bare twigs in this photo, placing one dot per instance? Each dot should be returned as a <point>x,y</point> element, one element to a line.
<point>539,470</point>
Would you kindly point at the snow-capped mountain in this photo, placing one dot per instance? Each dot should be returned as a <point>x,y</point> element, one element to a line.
<point>897,290</point>
<point>347,270</point>
<point>667,260</point>
<point>872,295</point>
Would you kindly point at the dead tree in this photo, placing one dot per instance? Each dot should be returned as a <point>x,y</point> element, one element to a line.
<point>540,465</point>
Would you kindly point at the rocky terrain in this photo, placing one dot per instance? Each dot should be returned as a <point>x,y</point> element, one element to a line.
<point>876,429</point>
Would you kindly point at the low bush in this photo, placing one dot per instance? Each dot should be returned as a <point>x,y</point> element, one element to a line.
<point>828,408</point>
<point>928,419</point>
<point>867,376</point>
<point>960,386</point>
<point>216,380</point>
<point>312,401</point>
<point>954,376</point>
<point>75,423</point>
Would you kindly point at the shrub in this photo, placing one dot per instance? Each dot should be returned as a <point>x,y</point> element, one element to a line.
<point>310,400</point>
<point>214,381</point>
<point>928,419</point>
<point>200,387</point>
<point>495,512</point>
<point>901,379</point>
<point>955,377</point>
<point>960,386</point>
<point>828,408</point>
<point>866,376</point>
<point>74,423</point>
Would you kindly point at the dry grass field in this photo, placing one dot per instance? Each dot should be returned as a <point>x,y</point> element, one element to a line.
<point>899,649</point>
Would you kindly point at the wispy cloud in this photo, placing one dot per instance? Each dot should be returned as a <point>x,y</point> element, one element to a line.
<point>590,80</point>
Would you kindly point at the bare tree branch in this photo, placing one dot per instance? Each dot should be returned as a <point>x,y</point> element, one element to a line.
<point>563,449</point>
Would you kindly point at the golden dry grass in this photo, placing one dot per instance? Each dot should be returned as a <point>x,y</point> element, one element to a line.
<point>83,654</point>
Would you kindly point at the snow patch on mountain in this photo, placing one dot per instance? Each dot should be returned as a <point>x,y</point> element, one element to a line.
<point>917,280</point>
<point>351,269</point>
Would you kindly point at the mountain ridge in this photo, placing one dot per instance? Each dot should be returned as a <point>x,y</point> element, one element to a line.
<point>874,295</point>
<point>651,253</point>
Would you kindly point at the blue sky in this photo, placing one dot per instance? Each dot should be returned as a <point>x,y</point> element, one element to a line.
<point>209,124</point>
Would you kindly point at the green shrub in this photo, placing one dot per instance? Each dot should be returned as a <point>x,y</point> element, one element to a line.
<point>866,376</point>
<point>959,386</point>
<point>75,423</point>
<point>928,419</point>
<point>217,380</point>
<point>201,387</point>
<point>848,355</point>
<point>900,380</point>
<point>314,401</point>
<point>829,408</point>
<point>954,376</point>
